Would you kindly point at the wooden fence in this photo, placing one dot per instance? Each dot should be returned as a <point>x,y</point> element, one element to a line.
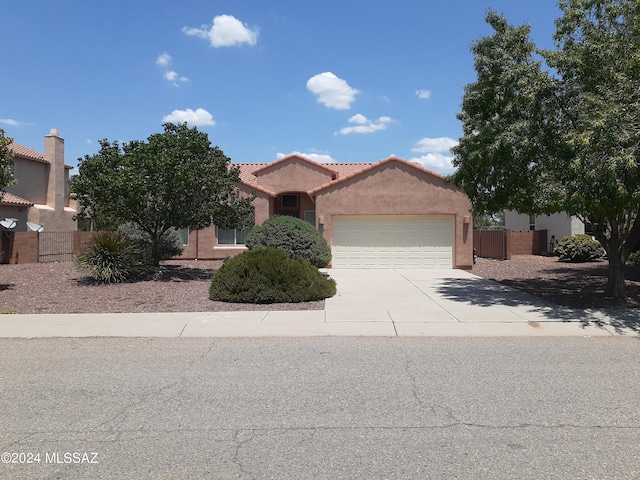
<point>502,244</point>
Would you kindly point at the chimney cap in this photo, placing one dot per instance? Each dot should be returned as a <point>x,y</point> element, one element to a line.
<point>54,131</point>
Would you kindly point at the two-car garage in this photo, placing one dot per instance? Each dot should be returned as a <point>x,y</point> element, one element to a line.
<point>392,241</point>
<point>394,214</point>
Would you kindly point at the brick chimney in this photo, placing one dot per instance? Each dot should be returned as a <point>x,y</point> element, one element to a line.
<point>54,154</point>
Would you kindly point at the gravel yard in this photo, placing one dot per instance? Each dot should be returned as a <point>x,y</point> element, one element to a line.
<point>577,285</point>
<point>183,286</point>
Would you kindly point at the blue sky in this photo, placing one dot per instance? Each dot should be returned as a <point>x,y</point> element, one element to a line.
<point>339,81</point>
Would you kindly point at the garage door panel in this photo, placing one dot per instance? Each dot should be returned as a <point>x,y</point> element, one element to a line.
<point>392,241</point>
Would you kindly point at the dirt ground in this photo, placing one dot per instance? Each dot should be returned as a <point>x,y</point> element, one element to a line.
<point>577,285</point>
<point>180,286</point>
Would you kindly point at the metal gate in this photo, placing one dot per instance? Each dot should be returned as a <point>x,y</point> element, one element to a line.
<point>55,247</point>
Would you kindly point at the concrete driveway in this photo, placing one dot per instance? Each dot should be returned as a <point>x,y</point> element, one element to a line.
<point>426,296</point>
<point>415,300</point>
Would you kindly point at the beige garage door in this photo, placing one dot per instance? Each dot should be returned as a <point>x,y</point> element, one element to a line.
<point>385,241</point>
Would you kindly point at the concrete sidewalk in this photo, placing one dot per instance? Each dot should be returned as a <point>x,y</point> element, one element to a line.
<point>369,303</point>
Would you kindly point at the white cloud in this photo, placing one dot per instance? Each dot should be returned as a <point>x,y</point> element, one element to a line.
<point>359,119</point>
<point>174,78</point>
<point>435,161</point>
<point>364,125</point>
<point>163,60</point>
<point>198,118</point>
<point>332,92</point>
<point>423,94</point>
<point>226,31</point>
<point>12,122</point>
<point>436,154</point>
<point>316,157</point>
<point>429,145</point>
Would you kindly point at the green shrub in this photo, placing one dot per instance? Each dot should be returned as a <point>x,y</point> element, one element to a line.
<point>579,248</point>
<point>170,244</point>
<point>112,257</point>
<point>294,236</point>
<point>267,275</point>
<point>634,258</point>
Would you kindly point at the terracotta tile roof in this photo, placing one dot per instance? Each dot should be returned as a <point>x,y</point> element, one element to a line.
<point>246,171</point>
<point>25,152</point>
<point>325,166</point>
<point>344,171</point>
<point>14,200</point>
<point>348,168</point>
<point>248,178</point>
<point>370,166</point>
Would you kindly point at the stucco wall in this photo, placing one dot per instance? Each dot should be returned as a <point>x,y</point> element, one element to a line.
<point>32,180</point>
<point>293,175</point>
<point>203,244</point>
<point>399,189</point>
<point>557,225</point>
<point>53,221</point>
<point>516,221</point>
<point>20,213</point>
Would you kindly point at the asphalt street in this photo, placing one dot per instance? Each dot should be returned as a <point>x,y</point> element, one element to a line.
<point>321,407</point>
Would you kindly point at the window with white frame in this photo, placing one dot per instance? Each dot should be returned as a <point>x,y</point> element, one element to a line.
<point>234,236</point>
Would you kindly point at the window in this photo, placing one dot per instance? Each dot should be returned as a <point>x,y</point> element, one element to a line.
<point>184,235</point>
<point>532,222</point>
<point>310,216</point>
<point>233,237</point>
<point>290,201</point>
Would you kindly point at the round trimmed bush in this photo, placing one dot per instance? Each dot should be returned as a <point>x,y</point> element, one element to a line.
<point>112,257</point>
<point>267,275</point>
<point>579,248</point>
<point>294,236</point>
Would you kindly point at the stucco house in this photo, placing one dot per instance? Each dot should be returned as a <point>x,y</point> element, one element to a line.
<point>387,214</point>
<point>558,225</point>
<point>41,192</point>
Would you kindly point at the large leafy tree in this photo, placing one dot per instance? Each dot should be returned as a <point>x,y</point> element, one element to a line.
<point>174,179</point>
<point>6,162</point>
<point>559,130</point>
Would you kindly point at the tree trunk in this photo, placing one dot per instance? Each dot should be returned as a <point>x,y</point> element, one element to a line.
<point>155,257</point>
<point>615,285</point>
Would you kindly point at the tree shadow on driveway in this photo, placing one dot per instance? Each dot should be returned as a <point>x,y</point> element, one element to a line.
<point>487,293</point>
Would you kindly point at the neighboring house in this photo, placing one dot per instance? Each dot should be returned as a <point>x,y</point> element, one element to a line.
<point>392,213</point>
<point>558,225</point>
<point>41,192</point>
